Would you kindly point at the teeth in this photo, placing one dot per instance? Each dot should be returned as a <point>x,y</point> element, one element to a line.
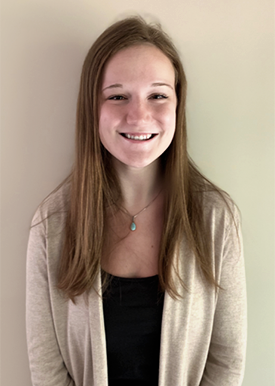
<point>138,137</point>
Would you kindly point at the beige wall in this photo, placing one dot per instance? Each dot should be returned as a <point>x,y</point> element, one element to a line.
<point>227,48</point>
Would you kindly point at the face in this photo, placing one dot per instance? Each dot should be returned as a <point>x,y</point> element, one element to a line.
<point>137,114</point>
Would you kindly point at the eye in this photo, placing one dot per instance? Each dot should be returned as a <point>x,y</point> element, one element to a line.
<point>159,96</point>
<point>116,98</point>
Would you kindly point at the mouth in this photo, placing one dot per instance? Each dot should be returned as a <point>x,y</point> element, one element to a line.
<point>142,137</point>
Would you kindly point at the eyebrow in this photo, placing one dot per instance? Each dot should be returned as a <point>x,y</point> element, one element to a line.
<point>119,85</point>
<point>116,85</point>
<point>161,84</point>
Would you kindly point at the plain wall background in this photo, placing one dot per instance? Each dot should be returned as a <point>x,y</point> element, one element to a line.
<point>227,48</point>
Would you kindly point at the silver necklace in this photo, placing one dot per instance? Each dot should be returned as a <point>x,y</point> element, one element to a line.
<point>133,225</point>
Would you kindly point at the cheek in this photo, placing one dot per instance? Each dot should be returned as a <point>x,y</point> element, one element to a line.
<point>103,125</point>
<point>103,117</point>
<point>109,117</point>
<point>169,119</point>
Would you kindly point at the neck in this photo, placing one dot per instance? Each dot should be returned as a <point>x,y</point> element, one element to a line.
<point>139,186</point>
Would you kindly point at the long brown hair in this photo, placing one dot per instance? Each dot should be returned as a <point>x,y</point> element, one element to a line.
<point>95,187</point>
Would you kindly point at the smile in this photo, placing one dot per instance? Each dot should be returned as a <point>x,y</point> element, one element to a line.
<point>143,137</point>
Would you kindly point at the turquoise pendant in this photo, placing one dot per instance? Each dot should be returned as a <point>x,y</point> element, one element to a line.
<point>133,226</point>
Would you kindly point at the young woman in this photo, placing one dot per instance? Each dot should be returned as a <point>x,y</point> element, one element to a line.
<point>135,273</point>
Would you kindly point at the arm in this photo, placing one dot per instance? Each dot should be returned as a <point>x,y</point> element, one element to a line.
<point>226,358</point>
<point>46,363</point>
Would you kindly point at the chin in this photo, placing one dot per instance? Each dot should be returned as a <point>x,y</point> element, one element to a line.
<point>137,163</point>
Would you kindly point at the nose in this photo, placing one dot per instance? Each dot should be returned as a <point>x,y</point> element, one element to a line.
<point>138,113</point>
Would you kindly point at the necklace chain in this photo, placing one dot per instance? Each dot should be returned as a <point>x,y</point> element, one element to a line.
<point>133,226</point>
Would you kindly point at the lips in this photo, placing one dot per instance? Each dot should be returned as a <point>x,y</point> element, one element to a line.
<point>140,137</point>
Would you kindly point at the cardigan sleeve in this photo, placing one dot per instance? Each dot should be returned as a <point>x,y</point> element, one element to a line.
<point>226,357</point>
<point>46,363</point>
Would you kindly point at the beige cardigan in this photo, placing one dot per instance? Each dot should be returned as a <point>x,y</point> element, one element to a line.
<point>203,336</point>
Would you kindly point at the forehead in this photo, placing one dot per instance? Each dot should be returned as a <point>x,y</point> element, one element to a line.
<point>145,62</point>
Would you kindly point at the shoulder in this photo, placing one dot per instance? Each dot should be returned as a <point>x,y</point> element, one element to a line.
<point>219,210</point>
<point>54,207</point>
<point>222,228</point>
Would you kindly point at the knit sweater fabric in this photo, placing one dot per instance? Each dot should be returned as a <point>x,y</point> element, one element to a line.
<point>203,335</point>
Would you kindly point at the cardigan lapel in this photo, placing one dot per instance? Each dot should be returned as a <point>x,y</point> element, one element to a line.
<point>186,325</point>
<point>173,367</point>
<point>98,340</point>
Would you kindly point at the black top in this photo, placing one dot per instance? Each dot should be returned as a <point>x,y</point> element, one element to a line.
<point>132,315</point>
